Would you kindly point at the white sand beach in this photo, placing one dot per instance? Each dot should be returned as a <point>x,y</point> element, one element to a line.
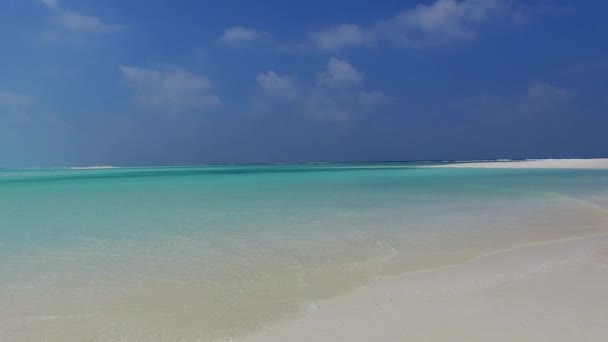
<point>549,292</point>
<point>597,163</point>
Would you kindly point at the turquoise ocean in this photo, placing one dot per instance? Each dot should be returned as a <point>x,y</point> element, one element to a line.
<point>197,253</point>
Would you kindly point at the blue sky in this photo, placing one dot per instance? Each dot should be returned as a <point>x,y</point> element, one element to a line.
<point>191,82</point>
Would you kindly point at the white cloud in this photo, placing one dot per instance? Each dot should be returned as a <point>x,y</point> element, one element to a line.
<point>13,100</point>
<point>239,36</point>
<point>200,54</point>
<point>341,105</point>
<point>15,105</point>
<point>342,36</point>
<point>544,96</point>
<point>590,67</point>
<point>340,74</point>
<point>275,85</point>
<point>539,98</point>
<point>440,22</point>
<point>51,4</point>
<point>71,26</point>
<point>521,13</point>
<point>372,98</point>
<point>336,94</point>
<point>173,91</point>
<point>542,90</point>
<point>79,22</point>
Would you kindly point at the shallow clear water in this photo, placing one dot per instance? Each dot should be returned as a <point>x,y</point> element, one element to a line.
<point>169,253</point>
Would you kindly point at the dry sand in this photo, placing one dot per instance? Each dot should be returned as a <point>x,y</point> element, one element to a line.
<point>549,292</point>
<point>599,163</point>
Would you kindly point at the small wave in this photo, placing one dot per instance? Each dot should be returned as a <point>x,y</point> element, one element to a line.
<point>480,160</point>
<point>101,167</point>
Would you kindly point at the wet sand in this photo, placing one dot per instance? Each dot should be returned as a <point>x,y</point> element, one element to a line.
<point>554,291</point>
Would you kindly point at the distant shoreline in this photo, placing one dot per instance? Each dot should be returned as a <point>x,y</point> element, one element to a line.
<point>598,164</point>
<point>594,163</point>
